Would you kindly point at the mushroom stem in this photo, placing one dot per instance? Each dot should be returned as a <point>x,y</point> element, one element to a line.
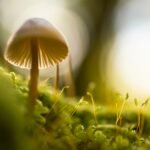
<point>57,78</point>
<point>34,73</point>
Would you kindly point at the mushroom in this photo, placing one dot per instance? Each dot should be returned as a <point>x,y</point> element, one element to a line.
<point>35,45</point>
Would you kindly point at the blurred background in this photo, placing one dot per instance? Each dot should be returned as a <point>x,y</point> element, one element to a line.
<point>109,42</point>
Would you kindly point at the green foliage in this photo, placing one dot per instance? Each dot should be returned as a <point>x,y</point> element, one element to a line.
<point>60,123</point>
<point>121,143</point>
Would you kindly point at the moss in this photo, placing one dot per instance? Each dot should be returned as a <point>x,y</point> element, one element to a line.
<point>60,123</point>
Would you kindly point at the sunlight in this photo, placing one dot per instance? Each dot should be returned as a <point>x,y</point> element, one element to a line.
<point>130,57</point>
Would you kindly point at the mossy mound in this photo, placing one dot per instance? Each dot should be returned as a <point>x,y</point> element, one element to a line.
<point>62,123</point>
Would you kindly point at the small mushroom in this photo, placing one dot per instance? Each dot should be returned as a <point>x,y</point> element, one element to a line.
<point>35,45</point>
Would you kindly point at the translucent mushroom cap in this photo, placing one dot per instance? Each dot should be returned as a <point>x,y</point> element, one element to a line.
<point>52,47</point>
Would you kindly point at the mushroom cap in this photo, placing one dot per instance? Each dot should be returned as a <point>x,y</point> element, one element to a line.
<point>52,47</point>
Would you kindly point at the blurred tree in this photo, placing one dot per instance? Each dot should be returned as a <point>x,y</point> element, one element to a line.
<point>102,13</point>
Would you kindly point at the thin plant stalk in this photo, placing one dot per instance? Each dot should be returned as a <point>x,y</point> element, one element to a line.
<point>142,114</point>
<point>117,112</point>
<point>77,106</point>
<point>93,104</point>
<point>56,87</point>
<point>70,79</point>
<point>120,113</point>
<point>139,120</point>
<point>56,98</point>
<point>142,123</point>
<point>141,109</point>
<point>65,87</point>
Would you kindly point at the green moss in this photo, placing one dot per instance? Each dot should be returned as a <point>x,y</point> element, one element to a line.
<point>61,123</point>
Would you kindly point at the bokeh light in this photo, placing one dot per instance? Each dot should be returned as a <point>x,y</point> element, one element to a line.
<point>128,67</point>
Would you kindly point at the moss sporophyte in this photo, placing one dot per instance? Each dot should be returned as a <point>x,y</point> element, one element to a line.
<point>36,45</point>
